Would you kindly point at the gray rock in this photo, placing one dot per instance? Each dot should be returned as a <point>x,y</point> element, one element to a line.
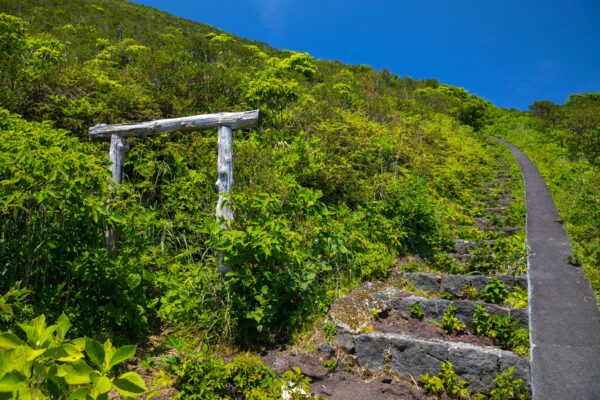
<point>371,349</point>
<point>345,341</point>
<point>327,350</point>
<point>495,309</point>
<point>508,280</point>
<point>474,366</point>
<point>411,358</point>
<point>424,280</point>
<point>521,281</point>
<point>519,363</point>
<point>521,315</point>
<point>452,284</point>
<point>434,309</point>
<point>477,281</point>
<point>402,305</point>
<point>464,311</point>
<point>511,230</point>
<point>280,365</point>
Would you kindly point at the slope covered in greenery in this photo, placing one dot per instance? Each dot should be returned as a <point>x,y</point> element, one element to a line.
<point>351,170</point>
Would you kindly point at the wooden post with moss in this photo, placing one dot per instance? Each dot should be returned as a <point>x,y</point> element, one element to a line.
<point>224,122</point>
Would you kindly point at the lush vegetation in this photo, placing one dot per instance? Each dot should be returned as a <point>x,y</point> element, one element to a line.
<point>205,376</point>
<point>49,366</point>
<point>351,170</point>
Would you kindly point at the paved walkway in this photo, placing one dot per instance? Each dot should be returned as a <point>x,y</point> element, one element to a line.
<point>564,318</point>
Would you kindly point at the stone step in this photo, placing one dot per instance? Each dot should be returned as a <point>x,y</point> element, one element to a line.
<point>496,210</point>
<point>503,202</point>
<point>508,230</point>
<point>434,309</point>
<point>411,357</point>
<point>492,221</point>
<point>454,284</point>
<point>355,312</point>
<point>462,246</point>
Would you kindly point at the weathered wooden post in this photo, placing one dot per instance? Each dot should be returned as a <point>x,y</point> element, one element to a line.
<point>224,185</point>
<point>225,122</point>
<point>116,154</point>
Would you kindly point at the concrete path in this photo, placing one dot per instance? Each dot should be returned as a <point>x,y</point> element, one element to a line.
<point>564,318</point>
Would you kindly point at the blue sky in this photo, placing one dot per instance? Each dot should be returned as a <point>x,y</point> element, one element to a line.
<point>512,52</point>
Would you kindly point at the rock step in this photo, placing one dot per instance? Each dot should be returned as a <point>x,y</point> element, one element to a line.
<point>454,284</point>
<point>462,246</point>
<point>508,230</point>
<point>492,221</point>
<point>496,210</point>
<point>434,309</point>
<point>355,312</point>
<point>411,357</point>
<point>504,202</point>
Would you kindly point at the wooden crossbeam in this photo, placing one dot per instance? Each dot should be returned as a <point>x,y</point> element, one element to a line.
<point>234,120</point>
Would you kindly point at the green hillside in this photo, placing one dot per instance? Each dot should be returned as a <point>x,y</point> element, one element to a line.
<point>351,172</point>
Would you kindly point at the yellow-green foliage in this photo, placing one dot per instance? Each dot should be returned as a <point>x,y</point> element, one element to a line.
<point>208,377</point>
<point>350,169</point>
<point>446,383</point>
<point>47,365</point>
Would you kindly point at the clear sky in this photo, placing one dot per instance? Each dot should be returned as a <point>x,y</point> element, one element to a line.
<point>512,52</point>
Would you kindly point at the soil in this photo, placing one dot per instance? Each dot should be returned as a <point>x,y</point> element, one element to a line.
<point>394,323</point>
<point>344,385</point>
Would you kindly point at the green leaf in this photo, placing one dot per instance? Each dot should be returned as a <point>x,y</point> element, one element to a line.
<point>76,373</point>
<point>95,352</point>
<point>11,382</point>
<point>14,360</point>
<point>79,394</point>
<point>63,324</point>
<point>65,353</point>
<point>109,351</point>
<point>5,308</point>
<point>58,388</point>
<point>100,385</point>
<point>130,384</point>
<point>79,343</point>
<point>122,354</point>
<point>32,354</point>
<point>9,340</point>
<point>134,280</point>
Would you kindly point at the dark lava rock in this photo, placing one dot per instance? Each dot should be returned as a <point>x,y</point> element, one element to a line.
<point>327,350</point>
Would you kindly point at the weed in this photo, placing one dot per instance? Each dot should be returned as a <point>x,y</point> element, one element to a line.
<point>416,311</point>
<point>517,298</point>
<point>330,364</point>
<point>450,323</point>
<point>330,330</point>
<point>494,292</point>
<point>468,292</point>
<point>376,312</point>
<point>502,328</point>
<point>411,266</point>
<point>446,383</point>
<point>506,387</point>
